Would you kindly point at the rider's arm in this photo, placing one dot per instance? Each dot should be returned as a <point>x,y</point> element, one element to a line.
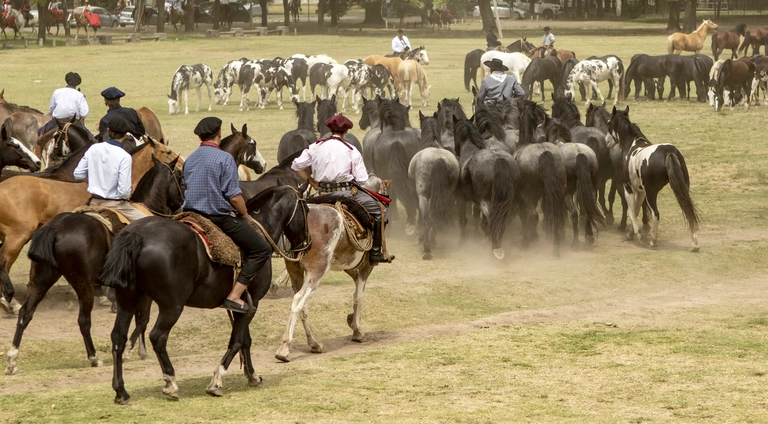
<point>81,171</point>
<point>304,174</point>
<point>124,178</point>
<point>396,45</point>
<point>359,173</point>
<point>239,204</point>
<point>517,89</point>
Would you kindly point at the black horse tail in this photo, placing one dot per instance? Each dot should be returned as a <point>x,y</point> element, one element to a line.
<point>585,192</point>
<point>398,171</point>
<point>41,247</point>
<point>119,269</point>
<point>677,173</point>
<point>622,76</point>
<point>468,68</point>
<point>628,77</point>
<point>553,198</point>
<point>714,46</point>
<point>441,198</point>
<point>745,44</point>
<point>502,194</point>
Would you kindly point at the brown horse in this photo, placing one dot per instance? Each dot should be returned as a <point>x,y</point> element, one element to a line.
<point>722,40</point>
<point>755,38</point>
<point>177,17</point>
<point>32,201</point>
<point>12,20</point>
<point>151,124</point>
<point>55,18</point>
<point>81,21</point>
<point>692,42</point>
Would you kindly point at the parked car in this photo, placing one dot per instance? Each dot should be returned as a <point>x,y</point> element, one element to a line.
<point>108,20</point>
<point>205,16</point>
<point>505,12</point>
<point>256,11</point>
<point>125,17</point>
<point>546,10</point>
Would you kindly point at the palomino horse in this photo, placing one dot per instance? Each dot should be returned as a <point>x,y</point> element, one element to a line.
<point>12,20</point>
<point>722,40</point>
<point>81,21</point>
<point>516,62</point>
<point>692,42</point>
<point>36,200</point>
<point>434,171</point>
<point>75,245</point>
<point>737,75</point>
<point>151,124</point>
<point>391,63</point>
<point>331,248</point>
<point>410,74</point>
<point>755,38</point>
<point>646,169</point>
<point>166,261</point>
<point>15,153</point>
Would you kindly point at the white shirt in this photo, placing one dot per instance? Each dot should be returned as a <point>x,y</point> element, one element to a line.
<point>332,161</point>
<point>548,39</point>
<point>67,102</point>
<point>399,45</point>
<point>108,169</point>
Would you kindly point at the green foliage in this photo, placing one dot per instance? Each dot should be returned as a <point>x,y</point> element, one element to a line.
<point>635,9</point>
<point>343,5</point>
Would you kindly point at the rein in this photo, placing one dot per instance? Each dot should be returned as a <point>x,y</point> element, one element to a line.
<point>299,250</point>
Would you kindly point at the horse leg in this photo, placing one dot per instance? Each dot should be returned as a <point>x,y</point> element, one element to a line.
<point>425,221</point>
<point>127,301</point>
<point>279,281</point>
<point>9,252</point>
<point>42,277</point>
<point>84,289</point>
<point>186,102</point>
<point>166,319</point>
<point>461,212</point>
<point>608,212</point>
<point>308,284</point>
<point>210,97</point>
<point>245,354</point>
<point>279,97</point>
<point>654,211</point>
<point>360,275</point>
<point>634,203</point>
<point>199,98</point>
<point>574,219</point>
<point>597,90</point>
<point>236,338</point>
<point>141,320</point>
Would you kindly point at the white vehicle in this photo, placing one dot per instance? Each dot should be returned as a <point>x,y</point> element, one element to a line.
<point>546,10</point>
<point>125,17</point>
<point>256,11</point>
<point>505,11</point>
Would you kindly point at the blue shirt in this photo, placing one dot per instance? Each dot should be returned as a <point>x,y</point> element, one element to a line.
<point>211,178</point>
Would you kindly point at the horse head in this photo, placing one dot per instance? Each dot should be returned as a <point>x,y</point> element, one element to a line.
<point>13,152</point>
<point>243,148</point>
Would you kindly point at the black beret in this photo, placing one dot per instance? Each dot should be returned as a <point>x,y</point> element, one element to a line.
<point>399,31</point>
<point>112,93</point>
<point>208,127</point>
<point>118,124</point>
<point>73,79</point>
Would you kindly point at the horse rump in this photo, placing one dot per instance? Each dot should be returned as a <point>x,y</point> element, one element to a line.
<point>41,246</point>
<point>553,198</point>
<point>471,65</point>
<point>677,173</point>
<point>441,197</point>
<point>502,194</point>
<point>119,269</point>
<point>585,192</point>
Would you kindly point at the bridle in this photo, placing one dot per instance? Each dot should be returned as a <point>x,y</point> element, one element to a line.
<point>178,186</point>
<point>297,253</point>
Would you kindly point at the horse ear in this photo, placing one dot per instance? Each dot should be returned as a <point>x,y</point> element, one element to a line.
<point>438,107</point>
<point>386,182</point>
<point>421,116</point>
<point>234,130</point>
<point>333,98</point>
<point>245,130</point>
<point>169,96</point>
<point>434,115</point>
<point>173,162</point>
<point>364,99</point>
<point>613,112</point>
<point>626,110</point>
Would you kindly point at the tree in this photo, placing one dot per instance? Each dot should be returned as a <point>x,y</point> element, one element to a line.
<point>264,21</point>
<point>373,15</point>
<point>42,19</point>
<point>189,15</point>
<point>287,12</point>
<point>673,24</point>
<point>690,24</point>
<point>486,15</point>
<point>138,14</point>
<point>160,15</point>
<point>216,13</point>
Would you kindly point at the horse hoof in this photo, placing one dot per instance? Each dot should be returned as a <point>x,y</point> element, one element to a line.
<point>317,349</point>
<point>5,305</point>
<point>173,393</point>
<point>361,338</point>
<point>498,254</point>
<point>104,301</point>
<point>15,306</point>
<point>255,382</point>
<point>695,249</point>
<point>629,236</point>
<point>11,370</point>
<point>426,256</point>
<point>590,240</point>
<point>410,229</point>
<point>95,362</point>
<point>609,220</point>
<point>214,391</point>
<point>122,400</point>
<point>282,357</point>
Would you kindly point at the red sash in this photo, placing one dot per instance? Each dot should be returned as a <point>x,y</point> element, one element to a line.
<point>93,18</point>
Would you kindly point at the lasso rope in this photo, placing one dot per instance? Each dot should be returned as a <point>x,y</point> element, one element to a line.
<point>361,246</point>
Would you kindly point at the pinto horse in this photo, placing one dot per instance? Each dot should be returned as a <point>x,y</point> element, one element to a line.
<point>12,20</point>
<point>15,153</point>
<point>692,42</point>
<point>75,245</point>
<point>593,71</point>
<point>166,261</point>
<point>646,169</point>
<point>722,40</point>
<point>82,21</point>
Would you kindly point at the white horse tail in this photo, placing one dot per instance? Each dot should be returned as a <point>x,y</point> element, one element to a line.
<point>670,44</point>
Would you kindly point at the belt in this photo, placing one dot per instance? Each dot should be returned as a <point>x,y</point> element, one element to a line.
<point>96,196</point>
<point>335,187</point>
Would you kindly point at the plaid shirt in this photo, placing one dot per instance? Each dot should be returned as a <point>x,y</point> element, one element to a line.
<point>211,178</point>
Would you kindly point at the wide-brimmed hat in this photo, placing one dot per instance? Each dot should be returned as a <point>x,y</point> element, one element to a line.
<point>338,123</point>
<point>546,28</point>
<point>496,64</point>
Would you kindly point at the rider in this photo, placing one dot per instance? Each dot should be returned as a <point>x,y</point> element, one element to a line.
<point>6,8</point>
<point>224,9</point>
<point>498,85</point>
<point>108,168</point>
<point>400,43</point>
<point>112,97</point>
<point>67,103</point>
<point>492,40</point>
<point>25,11</point>
<point>548,40</point>
<point>338,168</point>
<point>213,191</point>
<point>177,6</point>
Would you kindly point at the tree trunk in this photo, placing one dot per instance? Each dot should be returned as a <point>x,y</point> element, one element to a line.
<point>216,9</point>
<point>579,9</point>
<point>139,14</point>
<point>334,13</point>
<point>486,15</point>
<point>42,21</point>
<point>373,15</point>
<point>690,23</point>
<point>66,20</point>
<point>531,7</point>
<point>264,20</point>
<point>189,16</point>
<point>717,9</point>
<point>320,13</point>
<point>600,13</point>
<point>673,24</point>
<point>160,16</point>
<point>287,13</point>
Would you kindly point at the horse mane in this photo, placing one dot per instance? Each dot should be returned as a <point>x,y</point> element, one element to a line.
<point>567,111</point>
<point>626,129</point>
<point>325,109</point>
<point>528,123</point>
<point>555,128</point>
<point>257,201</point>
<point>20,108</point>
<point>465,130</point>
<point>305,112</point>
<point>430,133</point>
<point>447,110</point>
<point>489,120</point>
<point>138,148</point>
<point>394,114</point>
<point>287,161</point>
<point>740,28</point>
<point>146,193</point>
<point>369,109</point>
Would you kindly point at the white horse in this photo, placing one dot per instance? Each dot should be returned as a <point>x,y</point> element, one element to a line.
<point>592,72</point>
<point>516,62</point>
<point>187,77</point>
<point>410,73</point>
<point>228,76</point>
<point>338,82</point>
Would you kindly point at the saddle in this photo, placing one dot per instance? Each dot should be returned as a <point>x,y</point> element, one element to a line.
<point>112,220</point>
<point>220,248</point>
<point>356,217</point>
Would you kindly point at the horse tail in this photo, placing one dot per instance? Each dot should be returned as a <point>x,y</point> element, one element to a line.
<point>119,269</point>
<point>441,197</point>
<point>714,45</point>
<point>745,44</point>
<point>41,247</point>
<point>670,44</point>
<point>468,69</point>
<point>677,173</point>
<point>553,198</point>
<point>502,194</point>
<point>585,192</point>
<point>398,171</point>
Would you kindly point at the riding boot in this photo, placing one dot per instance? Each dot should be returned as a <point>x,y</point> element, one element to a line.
<point>375,255</point>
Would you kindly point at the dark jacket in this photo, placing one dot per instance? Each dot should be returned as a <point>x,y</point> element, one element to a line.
<point>130,115</point>
<point>492,40</point>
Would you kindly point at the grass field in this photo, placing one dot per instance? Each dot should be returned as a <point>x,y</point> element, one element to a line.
<point>615,333</point>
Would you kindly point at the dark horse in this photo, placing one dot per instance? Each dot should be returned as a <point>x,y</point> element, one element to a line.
<point>14,153</point>
<point>755,38</point>
<point>722,40</point>
<point>472,59</point>
<point>644,69</point>
<point>75,245</point>
<point>326,109</point>
<point>280,175</point>
<point>167,262</point>
<point>736,75</point>
<point>646,169</point>
<point>301,137</point>
<point>539,70</point>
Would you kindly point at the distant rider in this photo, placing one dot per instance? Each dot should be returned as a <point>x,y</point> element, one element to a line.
<point>492,40</point>
<point>548,40</point>
<point>400,43</point>
<point>67,103</point>
<point>112,97</point>
<point>498,85</point>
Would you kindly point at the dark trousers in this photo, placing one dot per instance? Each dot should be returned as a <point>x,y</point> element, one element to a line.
<point>52,124</point>
<point>256,250</point>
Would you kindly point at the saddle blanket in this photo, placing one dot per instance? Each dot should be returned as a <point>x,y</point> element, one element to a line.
<point>57,13</point>
<point>220,248</point>
<point>113,220</point>
<point>93,19</point>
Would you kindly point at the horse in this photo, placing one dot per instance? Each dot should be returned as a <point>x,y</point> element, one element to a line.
<point>490,125</point>
<point>275,77</point>
<point>38,199</point>
<point>644,68</point>
<point>696,69</point>
<point>760,79</point>
<point>488,178</point>
<point>12,20</point>
<point>598,117</point>
<point>605,58</point>
<point>55,17</point>
<point>248,75</point>
<point>279,175</point>
<point>228,76</point>
<point>187,77</point>
<point>419,54</point>
<point>295,6</point>
<point>434,171</point>
<point>146,16</point>
<point>434,18</point>
<point>737,75</point>
<point>411,73</point>
<point>592,72</point>
<point>693,42</point>
<point>177,16</point>
<point>755,38</point>
<point>15,153</point>
<point>300,138</point>
<point>582,169</point>
<point>82,21</point>
<point>225,17</point>
<point>516,62</point>
<point>520,46</point>
<point>166,261</point>
<point>471,66</point>
<point>23,127</point>
<point>318,76</point>
<point>542,177</point>
<point>646,169</point>
<point>391,63</point>
<point>66,138</point>
<point>446,110</point>
<point>151,124</point>
<point>381,80</point>
<point>540,70</point>
<point>360,79</point>
<point>298,69</point>
<point>326,109</point>
<point>565,70</point>
<point>722,40</point>
<point>75,245</point>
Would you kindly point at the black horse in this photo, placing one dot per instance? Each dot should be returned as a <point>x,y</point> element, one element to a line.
<point>471,66</point>
<point>644,69</point>
<point>326,109</point>
<point>539,70</point>
<point>303,136</point>
<point>75,245</point>
<point>14,153</point>
<point>167,262</point>
<point>280,175</point>
<point>695,69</point>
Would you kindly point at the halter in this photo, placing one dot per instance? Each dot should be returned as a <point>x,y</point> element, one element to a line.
<point>299,250</point>
<point>63,136</point>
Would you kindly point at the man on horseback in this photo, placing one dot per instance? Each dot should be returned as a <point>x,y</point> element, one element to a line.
<point>6,8</point>
<point>67,103</point>
<point>498,85</point>
<point>338,168</point>
<point>108,168</point>
<point>400,43</point>
<point>548,40</point>
<point>25,9</point>
<point>492,39</point>
<point>112,97</point>
<point>213,191</point>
